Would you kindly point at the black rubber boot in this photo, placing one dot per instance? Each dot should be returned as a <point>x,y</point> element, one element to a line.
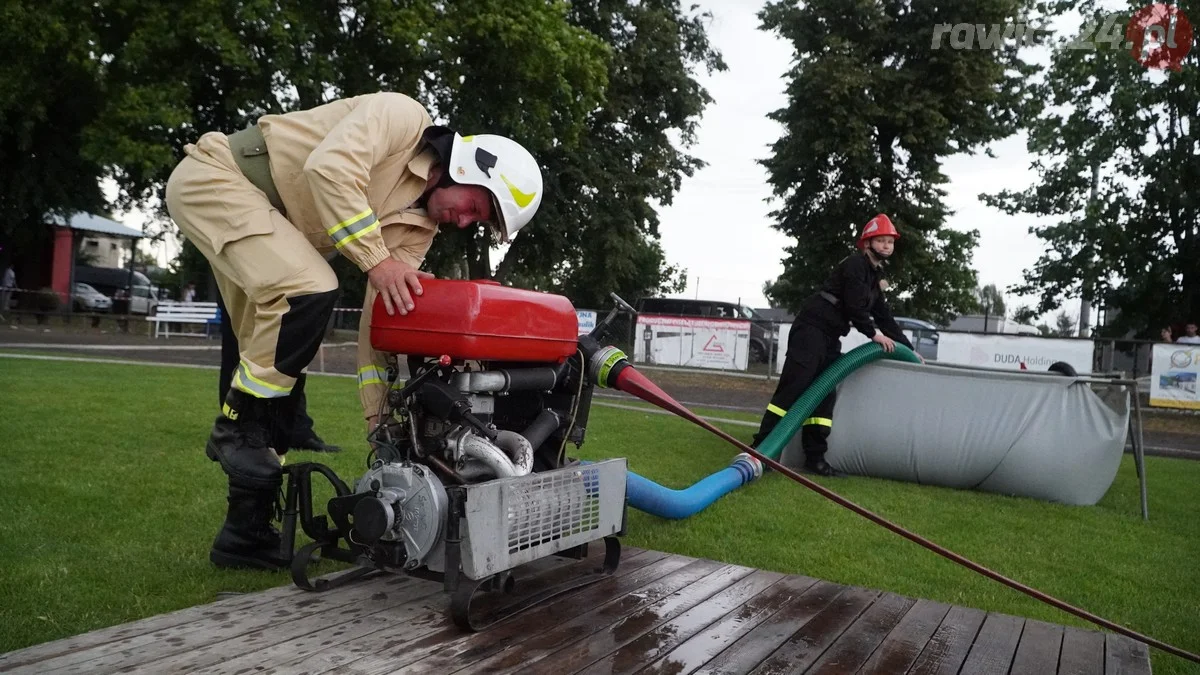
<point>249,540</point>
<point>240,441</point>
<point>819,466</point>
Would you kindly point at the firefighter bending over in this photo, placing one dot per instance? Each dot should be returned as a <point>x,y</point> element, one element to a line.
<point>369,178</point>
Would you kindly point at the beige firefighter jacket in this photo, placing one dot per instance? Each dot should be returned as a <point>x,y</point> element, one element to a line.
<point>348,173</point>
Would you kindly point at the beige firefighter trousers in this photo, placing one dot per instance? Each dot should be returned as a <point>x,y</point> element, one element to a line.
<point>264,267</point>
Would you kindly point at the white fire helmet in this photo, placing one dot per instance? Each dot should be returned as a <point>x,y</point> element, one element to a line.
<point>507,170</point>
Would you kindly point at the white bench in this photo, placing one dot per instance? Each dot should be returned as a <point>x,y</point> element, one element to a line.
<point>173,311</point>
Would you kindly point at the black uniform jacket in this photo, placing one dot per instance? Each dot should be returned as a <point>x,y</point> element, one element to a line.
<point>851,296</point>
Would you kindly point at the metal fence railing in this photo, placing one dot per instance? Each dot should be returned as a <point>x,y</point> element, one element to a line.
<point>1129,358</point>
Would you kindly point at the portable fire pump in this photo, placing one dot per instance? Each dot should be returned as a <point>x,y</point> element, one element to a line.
<point>469,477</point>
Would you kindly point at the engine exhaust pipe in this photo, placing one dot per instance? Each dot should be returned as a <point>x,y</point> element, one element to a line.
<point>504,380</point>
<point>509,457</point>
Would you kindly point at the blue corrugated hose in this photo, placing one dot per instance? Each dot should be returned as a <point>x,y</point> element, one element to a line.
<point>645,495</point>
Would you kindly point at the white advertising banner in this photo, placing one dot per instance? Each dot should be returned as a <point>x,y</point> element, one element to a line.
<point>1014,352</point>
<point>1173,370</point>
<point>849,342</point>
<point>587,320</point>
<point>697,343</point>
<point>1009,352</point>
<point>785,329</point>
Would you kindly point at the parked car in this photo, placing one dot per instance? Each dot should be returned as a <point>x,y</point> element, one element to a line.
<point>924,336</point>
<point>143,300</point>
<point>762,332</point>
<point>84,298</point>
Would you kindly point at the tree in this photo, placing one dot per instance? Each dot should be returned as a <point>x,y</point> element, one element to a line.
<point>1024,315</point>
<point>872,110</point>
<point>1064,324</point>
<point>49,93</point>
<point>990,300</point>
<point>597,231</point>
<point>1131,131</point>
<point>597,90</point>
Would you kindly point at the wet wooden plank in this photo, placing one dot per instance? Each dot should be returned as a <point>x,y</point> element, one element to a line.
<point>903,645</point>
<point>252,652</point>
<point>1037,652</point>
<point>1125,656</point>
<point>1082,652</point>
<point>159,644</point>
<point>803,648</point>
<point>948,647</point>
<point>753,647</point>
<point>632,655</point>
<point>992,653</point>
<point>570,658</point>
<point>513,656</point>
<point>323,650</point>
<point>704,646</point>
<point>217,610</point>
<point>401,645</point>
<point>852,649</point>
<point>658,614</point>
<point>616,621</point>
<point>253,631</point>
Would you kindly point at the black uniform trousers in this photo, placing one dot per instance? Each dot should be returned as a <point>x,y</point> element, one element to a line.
<point>810,351</point>
<point>301,427</point>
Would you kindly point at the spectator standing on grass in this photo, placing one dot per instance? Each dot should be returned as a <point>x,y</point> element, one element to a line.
<point>189,292</point>
<point>7,284</point>
<point>1189,336</point>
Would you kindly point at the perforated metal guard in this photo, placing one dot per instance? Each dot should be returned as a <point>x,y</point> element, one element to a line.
<point>512,521</point>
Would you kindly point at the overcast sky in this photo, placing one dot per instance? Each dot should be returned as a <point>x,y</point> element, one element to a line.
<point>718,227</point>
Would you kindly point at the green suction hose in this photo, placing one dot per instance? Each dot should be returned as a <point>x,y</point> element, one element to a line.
<point>772,446</point>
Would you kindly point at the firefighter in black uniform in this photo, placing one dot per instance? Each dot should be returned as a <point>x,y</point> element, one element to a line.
<point>852,296</point>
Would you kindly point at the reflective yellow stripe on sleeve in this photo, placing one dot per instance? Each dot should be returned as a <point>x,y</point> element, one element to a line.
<point>819,421</point>
<point>369,375</point>
<point>771,407</point>
<point>348,230</point>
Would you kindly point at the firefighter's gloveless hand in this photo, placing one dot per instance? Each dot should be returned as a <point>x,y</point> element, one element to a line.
<point>393,279</point>
<point>888,344</point>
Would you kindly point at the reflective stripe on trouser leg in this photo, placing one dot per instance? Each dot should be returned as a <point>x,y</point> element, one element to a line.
<point>280,336</point>
<point>815,432</point>
<point>244,379</point>
<point>805,360</point>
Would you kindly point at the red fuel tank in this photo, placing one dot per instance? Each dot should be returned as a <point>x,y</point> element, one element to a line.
<point>479,320</point>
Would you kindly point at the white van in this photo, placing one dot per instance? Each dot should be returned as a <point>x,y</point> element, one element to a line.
<point>143,300</point>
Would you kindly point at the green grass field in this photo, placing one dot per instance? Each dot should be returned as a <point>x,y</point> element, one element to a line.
<point>108,507</point>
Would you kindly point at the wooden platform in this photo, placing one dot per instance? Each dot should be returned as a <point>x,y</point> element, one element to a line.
<point>659,613</point>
